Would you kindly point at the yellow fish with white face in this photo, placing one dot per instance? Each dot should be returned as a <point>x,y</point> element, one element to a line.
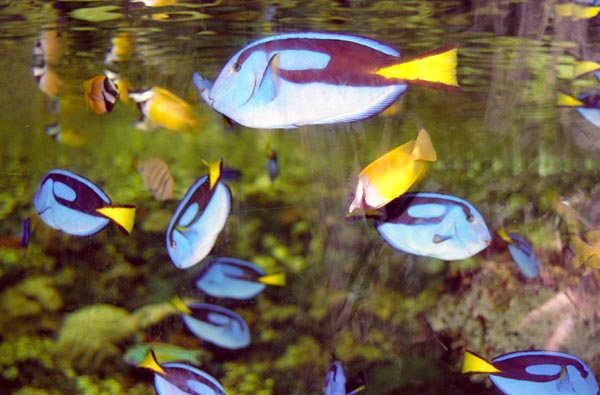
<point>393,173</point>
<point>162,108</point>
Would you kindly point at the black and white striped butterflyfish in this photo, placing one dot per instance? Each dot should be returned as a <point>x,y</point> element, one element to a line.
<point>73,204</point>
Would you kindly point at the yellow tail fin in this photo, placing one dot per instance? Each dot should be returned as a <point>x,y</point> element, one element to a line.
<point>585,66</point>
<point>123,216</point>
<point>214,171</point>
<point>503,235</point>
<point>273,279</point>
<point>423,148</point>
<point>180,305</point>
<point>475,364</point>
<point>568,101</point>
<point>437,67</point>
<point>150,362</point>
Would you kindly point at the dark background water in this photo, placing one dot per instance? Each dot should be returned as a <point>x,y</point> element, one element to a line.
<point>398,323</point>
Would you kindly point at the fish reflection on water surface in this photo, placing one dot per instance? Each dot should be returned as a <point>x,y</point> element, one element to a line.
<point>435,225</point>
<point>309,78</point>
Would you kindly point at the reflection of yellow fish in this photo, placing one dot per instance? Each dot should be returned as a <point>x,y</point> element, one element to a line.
<point>576,11</point>
<point>393,174</point>
<point>101,93</point>
<point>163,108</point>
<point>587,251</point>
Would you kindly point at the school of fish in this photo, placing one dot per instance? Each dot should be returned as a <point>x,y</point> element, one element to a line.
<point>286,81</point>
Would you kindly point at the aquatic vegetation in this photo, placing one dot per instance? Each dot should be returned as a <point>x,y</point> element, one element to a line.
<point>106,326</point>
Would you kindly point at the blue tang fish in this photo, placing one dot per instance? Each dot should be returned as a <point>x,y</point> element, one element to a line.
<point>199,218</point>
<point>435,225</point>
<point>535,373</point>
<point>234,278</point>
<point>587,105</point>
<point>522,253</point>
<point>310,78</point>
<point>217,325</point>
<point>68,202</point>
<point>180,378</point>
<point>335,381</point>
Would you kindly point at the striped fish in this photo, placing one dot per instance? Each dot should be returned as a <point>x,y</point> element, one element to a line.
<point>157,177</point>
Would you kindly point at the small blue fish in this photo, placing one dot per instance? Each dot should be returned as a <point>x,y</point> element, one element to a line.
<point>272,164</point>
<point>522,253</point>
<point>309,78</point>
<point>68,202</point>
<point>335,381</point>
<point>25,232</point>
<point>535,373</point>
<point>215,324</point>
<point>181,379</point>
<point>199,219</point>
<point>435,225</point>
<point>234,278</point>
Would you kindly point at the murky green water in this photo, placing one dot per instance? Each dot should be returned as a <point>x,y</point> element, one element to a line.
<point>399,323</point>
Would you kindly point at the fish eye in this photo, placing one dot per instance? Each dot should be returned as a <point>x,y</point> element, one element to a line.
<point>237,66</point>
<point>470,218</point>
<point>173,244</point>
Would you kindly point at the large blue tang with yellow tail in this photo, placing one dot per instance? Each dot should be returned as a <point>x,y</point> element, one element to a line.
<point>180,378</point>
<point>435,225</point>
<point>309,78</point>
<point>234,278</point>
<point>535,373</point>
<point>214,324</point>
<point>521,253</point>
<point>199,218</point>
<point>73,204</point>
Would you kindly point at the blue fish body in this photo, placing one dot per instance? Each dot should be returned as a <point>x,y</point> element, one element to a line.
<point>590,111</point>
<point>335,380</point>
<point>217,325</point>
<point>435,225</point>
<point>307,78</point>
<point>523,255</point>
<point>183,379</point>
<point>231,278</point>
<point>542,373</point>
<point>68,202</point>
<point>197,222</point>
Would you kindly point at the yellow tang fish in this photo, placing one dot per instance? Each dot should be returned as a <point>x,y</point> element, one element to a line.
<point>160,107</point>
<point>587,251</point>
<point>393,174</point>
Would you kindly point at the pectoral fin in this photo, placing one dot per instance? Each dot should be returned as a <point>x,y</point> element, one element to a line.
<point>268,87</point>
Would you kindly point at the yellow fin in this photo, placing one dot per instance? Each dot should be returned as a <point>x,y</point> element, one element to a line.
<point>423,148</point>
<point>123,216</point>
<point>273,279</point>
<point>437,67</point>
<point>150,362</point>
<point>583,251</point>
<point>503,235</point>
<point>214,171</point>
<point>585,66</point>
<point>568,101</point>
<point>180,305</point>
<point>475,364</point>
<point>583,12</point>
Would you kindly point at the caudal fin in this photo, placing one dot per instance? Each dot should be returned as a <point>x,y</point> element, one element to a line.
<point>584,66</point>
<point>123,216</point>
<point>565,100</point>
<point>423,147</point>
<point>273,279</point>
<point>475,364</point>
<point>150,362</point>
<point>214,171</point>
<point>436,68</point>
